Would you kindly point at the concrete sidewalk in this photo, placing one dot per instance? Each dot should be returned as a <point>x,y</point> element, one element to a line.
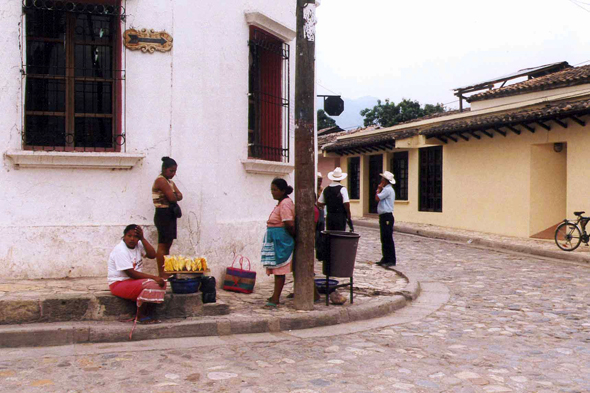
<point>539,247</point>
<point>82,310</point>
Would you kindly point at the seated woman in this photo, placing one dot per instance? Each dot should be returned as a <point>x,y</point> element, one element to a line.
<point>125,276</point>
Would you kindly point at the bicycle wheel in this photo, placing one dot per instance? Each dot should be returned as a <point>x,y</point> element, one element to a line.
<point>568,236</point>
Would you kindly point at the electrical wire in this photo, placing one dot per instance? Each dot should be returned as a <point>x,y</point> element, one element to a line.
<point>327,89</point>
<point>576,3</point>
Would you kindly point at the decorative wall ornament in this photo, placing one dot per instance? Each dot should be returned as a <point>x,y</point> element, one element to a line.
<point>310,21</point>
<point>147,40</point>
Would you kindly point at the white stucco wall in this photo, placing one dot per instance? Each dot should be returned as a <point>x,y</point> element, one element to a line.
<point>190,104</point>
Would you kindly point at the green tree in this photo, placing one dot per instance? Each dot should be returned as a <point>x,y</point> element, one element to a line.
<point>388,114</point>
<point>325,121</point>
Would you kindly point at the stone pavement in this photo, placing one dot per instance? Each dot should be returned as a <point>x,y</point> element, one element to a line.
<point>540,247</point>
<point>504,322</point>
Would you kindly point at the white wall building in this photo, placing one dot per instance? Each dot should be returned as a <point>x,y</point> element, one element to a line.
<point>85,122</point>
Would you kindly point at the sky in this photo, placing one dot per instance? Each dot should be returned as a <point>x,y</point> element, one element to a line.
<point>422,49</point>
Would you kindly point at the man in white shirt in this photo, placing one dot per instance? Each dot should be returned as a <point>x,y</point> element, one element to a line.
<point>386,197</point>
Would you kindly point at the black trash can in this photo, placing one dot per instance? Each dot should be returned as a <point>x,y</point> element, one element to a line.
<point>339,255</point>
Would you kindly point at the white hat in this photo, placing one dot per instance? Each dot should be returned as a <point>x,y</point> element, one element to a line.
<point>337,174</point>
<point>319,174</point>
<point>388,176</point>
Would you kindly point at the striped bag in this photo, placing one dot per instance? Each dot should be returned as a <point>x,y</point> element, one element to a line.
<point>239,279</point>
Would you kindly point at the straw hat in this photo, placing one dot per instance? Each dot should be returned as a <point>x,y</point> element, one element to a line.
<point>337,175</point>
<point>388,176</point>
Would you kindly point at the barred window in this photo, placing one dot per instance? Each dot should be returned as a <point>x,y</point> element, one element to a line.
<point>399,168</point>
<point>354,177</point>
<point>73,84</point>
<point>431,179</point>
<point>268,106</point>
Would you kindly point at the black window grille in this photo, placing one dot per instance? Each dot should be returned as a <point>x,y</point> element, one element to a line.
<point>354,176</point>
<point>73,76</point>
<point>399,168</point>
<point>268,109</point>
<point>431,173</point>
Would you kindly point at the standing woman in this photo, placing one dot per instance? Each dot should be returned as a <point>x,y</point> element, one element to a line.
<point>279,243</point>
<point>165,193</point>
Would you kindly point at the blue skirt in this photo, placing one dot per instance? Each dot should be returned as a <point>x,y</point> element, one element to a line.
<point>277,248</point>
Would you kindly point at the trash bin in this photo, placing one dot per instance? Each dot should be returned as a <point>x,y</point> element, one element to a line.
<point>339,255</point>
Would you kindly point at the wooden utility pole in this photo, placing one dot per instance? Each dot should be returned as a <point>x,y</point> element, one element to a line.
<point>304,154</point>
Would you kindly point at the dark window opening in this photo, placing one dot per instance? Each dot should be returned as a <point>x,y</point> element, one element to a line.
<point>375,170</point>
<point>431,179</point>
<point>268,104</point>
<point>354,176</point>
<point>73,86</point>
<point>399,168</point>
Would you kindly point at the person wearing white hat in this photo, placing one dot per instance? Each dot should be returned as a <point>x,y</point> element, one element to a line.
<point>335,197</point>
<point>386,197</point>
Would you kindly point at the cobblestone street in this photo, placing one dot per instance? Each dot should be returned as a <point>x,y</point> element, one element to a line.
<point>513,323</point>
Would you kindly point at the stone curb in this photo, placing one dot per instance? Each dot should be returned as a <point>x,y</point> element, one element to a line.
<point>67,333</point>
<point>478,241</point>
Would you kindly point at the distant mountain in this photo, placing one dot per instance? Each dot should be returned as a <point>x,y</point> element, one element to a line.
<point>351,118</point>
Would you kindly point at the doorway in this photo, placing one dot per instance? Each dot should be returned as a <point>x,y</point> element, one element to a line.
<point>375,168</point>
<point>548,188</point>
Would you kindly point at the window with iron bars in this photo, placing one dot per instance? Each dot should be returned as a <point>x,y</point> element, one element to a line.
<point>431,179</point>
<point>399,167</point>
<point>73,75</point>
<point>354,177</point>
<point>268,104</point>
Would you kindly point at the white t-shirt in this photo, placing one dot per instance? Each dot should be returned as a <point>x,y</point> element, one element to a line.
<point>343,192</point>
<point>123,258</point>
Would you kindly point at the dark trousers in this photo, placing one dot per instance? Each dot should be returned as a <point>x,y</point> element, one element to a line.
<point>336,222</point>
<point>386,221</point>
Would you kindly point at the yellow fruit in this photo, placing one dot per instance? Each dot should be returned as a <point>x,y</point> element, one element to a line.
<point>204,263</point>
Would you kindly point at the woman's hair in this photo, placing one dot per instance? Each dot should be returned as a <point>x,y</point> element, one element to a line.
<point>128,228</point>
<point>282,185</point>
<point>167,162</point>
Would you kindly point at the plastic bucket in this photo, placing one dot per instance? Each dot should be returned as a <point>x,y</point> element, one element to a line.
<point>186,285</point>
<point>320,284</point>
<point>342,253</point>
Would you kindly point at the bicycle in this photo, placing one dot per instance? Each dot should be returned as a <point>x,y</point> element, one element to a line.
<point>569,234</point>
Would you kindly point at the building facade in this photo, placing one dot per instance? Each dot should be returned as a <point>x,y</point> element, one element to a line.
<point>515,163</point>
<point>87,118</point>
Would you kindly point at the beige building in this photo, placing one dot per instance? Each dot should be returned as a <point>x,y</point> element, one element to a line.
<point>516,163</point>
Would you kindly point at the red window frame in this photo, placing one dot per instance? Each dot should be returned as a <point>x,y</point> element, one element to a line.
<point>268,111</point>
<point>115,138</point>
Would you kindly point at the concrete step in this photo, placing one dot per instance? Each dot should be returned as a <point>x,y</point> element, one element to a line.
<point>101,306</point>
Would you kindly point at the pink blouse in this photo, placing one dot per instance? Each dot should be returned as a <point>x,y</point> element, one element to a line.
<point>284,211</point>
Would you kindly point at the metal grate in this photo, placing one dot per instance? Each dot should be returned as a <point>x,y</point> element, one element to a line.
<point>75,7</point>
<point>399,167</point>
<point>431,178</point>
<point>269,91</point>
<point>73,79</point>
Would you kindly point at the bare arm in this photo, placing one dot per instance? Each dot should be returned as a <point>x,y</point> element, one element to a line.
<point>290,227</point>
<point>139,275</point>
<point>166,188</point>
<point>347,208</point>
<point>149,249</point>
<point>177,193</point>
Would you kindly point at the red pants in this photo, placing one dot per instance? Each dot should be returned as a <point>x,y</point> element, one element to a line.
<point>141,290</point>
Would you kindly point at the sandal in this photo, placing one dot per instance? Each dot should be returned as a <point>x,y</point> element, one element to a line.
<point>271,306</point>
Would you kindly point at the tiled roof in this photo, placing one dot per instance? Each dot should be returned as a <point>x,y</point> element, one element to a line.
<point>568,77</point>
<point>559,110</point>
<point>518,120</point>
<point>324,141</point>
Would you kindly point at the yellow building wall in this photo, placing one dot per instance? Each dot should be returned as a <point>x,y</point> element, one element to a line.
<point>505,185</point>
